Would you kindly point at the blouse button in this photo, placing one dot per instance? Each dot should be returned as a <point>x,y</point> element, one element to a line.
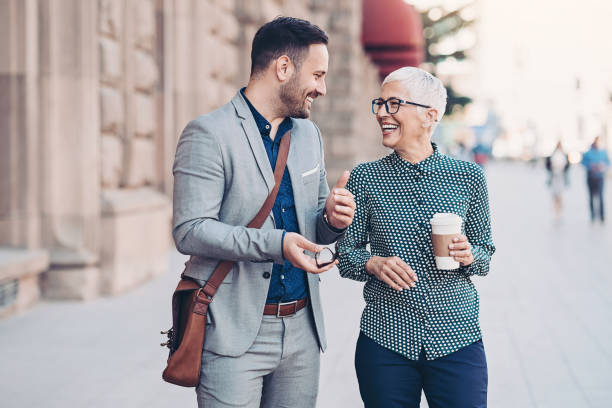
<point>266,275</point>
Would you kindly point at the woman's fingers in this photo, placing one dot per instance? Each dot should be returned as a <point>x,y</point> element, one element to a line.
<point>460,242</point>
<point>408,270</point>
<point>460,245</point>
<point>397,278</point>
<point>461,250</point>
<point>459,238</point>
<point>465,258</point>
<point>392,271</point>
<point>402,276</point>
<point>390,282</point>
<point>395,273</point>
<point>461,254</point>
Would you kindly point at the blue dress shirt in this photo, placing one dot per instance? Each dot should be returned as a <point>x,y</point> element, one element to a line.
<point>287,282</point>
<point>592,159</point>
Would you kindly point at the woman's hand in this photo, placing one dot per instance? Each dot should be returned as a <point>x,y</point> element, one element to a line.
<point>393,271</point>
<point>461,250</point>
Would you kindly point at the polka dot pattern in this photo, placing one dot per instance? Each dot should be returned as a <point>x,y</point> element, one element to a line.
<point>395,201</point>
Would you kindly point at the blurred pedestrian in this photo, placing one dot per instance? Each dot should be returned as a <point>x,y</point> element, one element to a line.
<point>596,162</point>
<point>463,152</point>
<point>557,165</point>
<point>419,329</point>
<point>481,154</point>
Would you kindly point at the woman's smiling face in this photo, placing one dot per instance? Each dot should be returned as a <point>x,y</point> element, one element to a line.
<point>399,127</point>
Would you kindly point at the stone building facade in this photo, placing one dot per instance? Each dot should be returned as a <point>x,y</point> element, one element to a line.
<point>93,97</point>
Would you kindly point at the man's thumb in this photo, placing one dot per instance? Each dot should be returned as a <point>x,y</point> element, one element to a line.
<point>343,179</point>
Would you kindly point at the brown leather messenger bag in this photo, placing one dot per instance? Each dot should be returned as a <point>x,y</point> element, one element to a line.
<point>190,301</point>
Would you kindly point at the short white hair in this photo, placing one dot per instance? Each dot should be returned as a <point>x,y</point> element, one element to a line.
<point>424,88</point>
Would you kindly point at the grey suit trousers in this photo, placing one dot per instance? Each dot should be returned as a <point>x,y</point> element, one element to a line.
<point>280,369</point>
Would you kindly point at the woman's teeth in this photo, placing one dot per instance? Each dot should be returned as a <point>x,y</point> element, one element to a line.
<point>389,127</point>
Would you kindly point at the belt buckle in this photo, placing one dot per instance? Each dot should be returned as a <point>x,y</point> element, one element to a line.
<point>294,303</point>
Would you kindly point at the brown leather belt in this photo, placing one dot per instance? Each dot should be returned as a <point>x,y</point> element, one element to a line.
<point>285,309</point>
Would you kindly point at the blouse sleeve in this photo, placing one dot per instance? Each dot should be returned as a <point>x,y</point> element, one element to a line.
<point>478,226</point>
<point>353,254</point>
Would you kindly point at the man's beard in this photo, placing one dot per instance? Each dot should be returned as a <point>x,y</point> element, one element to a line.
<point>294,103</point>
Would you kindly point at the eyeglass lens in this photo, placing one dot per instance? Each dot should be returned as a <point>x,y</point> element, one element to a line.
<point>325,257</point>
<point>391,106</point>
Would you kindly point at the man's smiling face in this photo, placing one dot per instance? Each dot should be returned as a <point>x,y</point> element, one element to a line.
<point>307,83</point>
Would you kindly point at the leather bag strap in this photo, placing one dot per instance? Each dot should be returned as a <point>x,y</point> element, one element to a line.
<point>224,267</point>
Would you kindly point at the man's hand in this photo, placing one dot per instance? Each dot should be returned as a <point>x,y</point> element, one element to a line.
<point>461,250</point>
<point>340,204</point>
<point>294,246</point>
<point>393,271</point>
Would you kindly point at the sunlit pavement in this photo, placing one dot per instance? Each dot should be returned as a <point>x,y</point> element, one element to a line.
<point>546,305</point>
<point>545,312</point>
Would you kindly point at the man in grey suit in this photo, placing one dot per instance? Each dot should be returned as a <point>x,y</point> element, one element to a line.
<point>265,326</point>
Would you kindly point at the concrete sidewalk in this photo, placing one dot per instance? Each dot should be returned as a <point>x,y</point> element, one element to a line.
<point>545,311</point>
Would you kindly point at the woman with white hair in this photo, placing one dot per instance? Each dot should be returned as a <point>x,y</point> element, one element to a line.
<point>419,329</point>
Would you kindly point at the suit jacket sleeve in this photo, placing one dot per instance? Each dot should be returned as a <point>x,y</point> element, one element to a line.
<point>199,185</point>
<point>325,233</point>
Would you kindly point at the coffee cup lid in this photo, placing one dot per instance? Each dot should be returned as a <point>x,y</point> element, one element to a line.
<point>445,219</point>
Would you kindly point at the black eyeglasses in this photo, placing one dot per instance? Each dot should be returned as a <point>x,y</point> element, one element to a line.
<point>392,105</point>
<point>327,256</point>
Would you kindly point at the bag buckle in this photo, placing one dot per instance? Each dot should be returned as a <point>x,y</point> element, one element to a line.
<point>278,310</point>
<point>170,334</point>
<point>210,299</point>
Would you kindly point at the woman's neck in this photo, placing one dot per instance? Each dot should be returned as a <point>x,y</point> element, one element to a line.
<point>415,152</point>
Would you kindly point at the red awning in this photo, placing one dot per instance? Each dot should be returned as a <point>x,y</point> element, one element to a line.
<point>392,34</point>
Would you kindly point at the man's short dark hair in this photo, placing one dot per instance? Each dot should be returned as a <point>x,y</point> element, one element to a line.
<point>284,36</point>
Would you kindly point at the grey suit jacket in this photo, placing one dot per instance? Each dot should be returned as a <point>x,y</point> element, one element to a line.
<point>222,176</point>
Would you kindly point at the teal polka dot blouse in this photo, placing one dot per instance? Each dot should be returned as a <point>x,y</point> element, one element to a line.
<point>395,201</point>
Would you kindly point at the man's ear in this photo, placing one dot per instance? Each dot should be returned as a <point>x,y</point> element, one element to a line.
<point>284,68</point>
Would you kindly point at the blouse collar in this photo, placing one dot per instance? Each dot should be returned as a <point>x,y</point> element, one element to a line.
<point>429,164</point>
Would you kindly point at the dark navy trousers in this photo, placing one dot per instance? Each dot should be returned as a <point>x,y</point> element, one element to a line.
<point>596,185</point>
<point>389,380</point>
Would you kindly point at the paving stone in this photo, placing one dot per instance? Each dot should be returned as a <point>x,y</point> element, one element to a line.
<point>545,313</point>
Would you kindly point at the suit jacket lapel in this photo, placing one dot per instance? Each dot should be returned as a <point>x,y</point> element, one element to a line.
<point>254,138</point>
<point>296,179</point>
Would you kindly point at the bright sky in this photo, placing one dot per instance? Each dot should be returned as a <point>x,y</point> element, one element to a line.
<point>529,55</point>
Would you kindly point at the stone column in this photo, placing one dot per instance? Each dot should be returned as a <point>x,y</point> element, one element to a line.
<point>169,136</point>
<point>69,128</point>
<point>21,260</point>
<point>19,127</point>
<point>135,213</point>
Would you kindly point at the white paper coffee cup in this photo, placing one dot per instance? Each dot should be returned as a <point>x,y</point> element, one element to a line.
<point>444,226</point>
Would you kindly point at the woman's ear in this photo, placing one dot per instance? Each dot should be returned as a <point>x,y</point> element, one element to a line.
<point>432,116</point>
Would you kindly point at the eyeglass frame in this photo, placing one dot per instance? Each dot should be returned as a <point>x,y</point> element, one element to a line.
<point>335,254</point>
<point>400,101</point>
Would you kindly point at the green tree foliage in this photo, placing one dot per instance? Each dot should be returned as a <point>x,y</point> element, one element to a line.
<point>444,25</point>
